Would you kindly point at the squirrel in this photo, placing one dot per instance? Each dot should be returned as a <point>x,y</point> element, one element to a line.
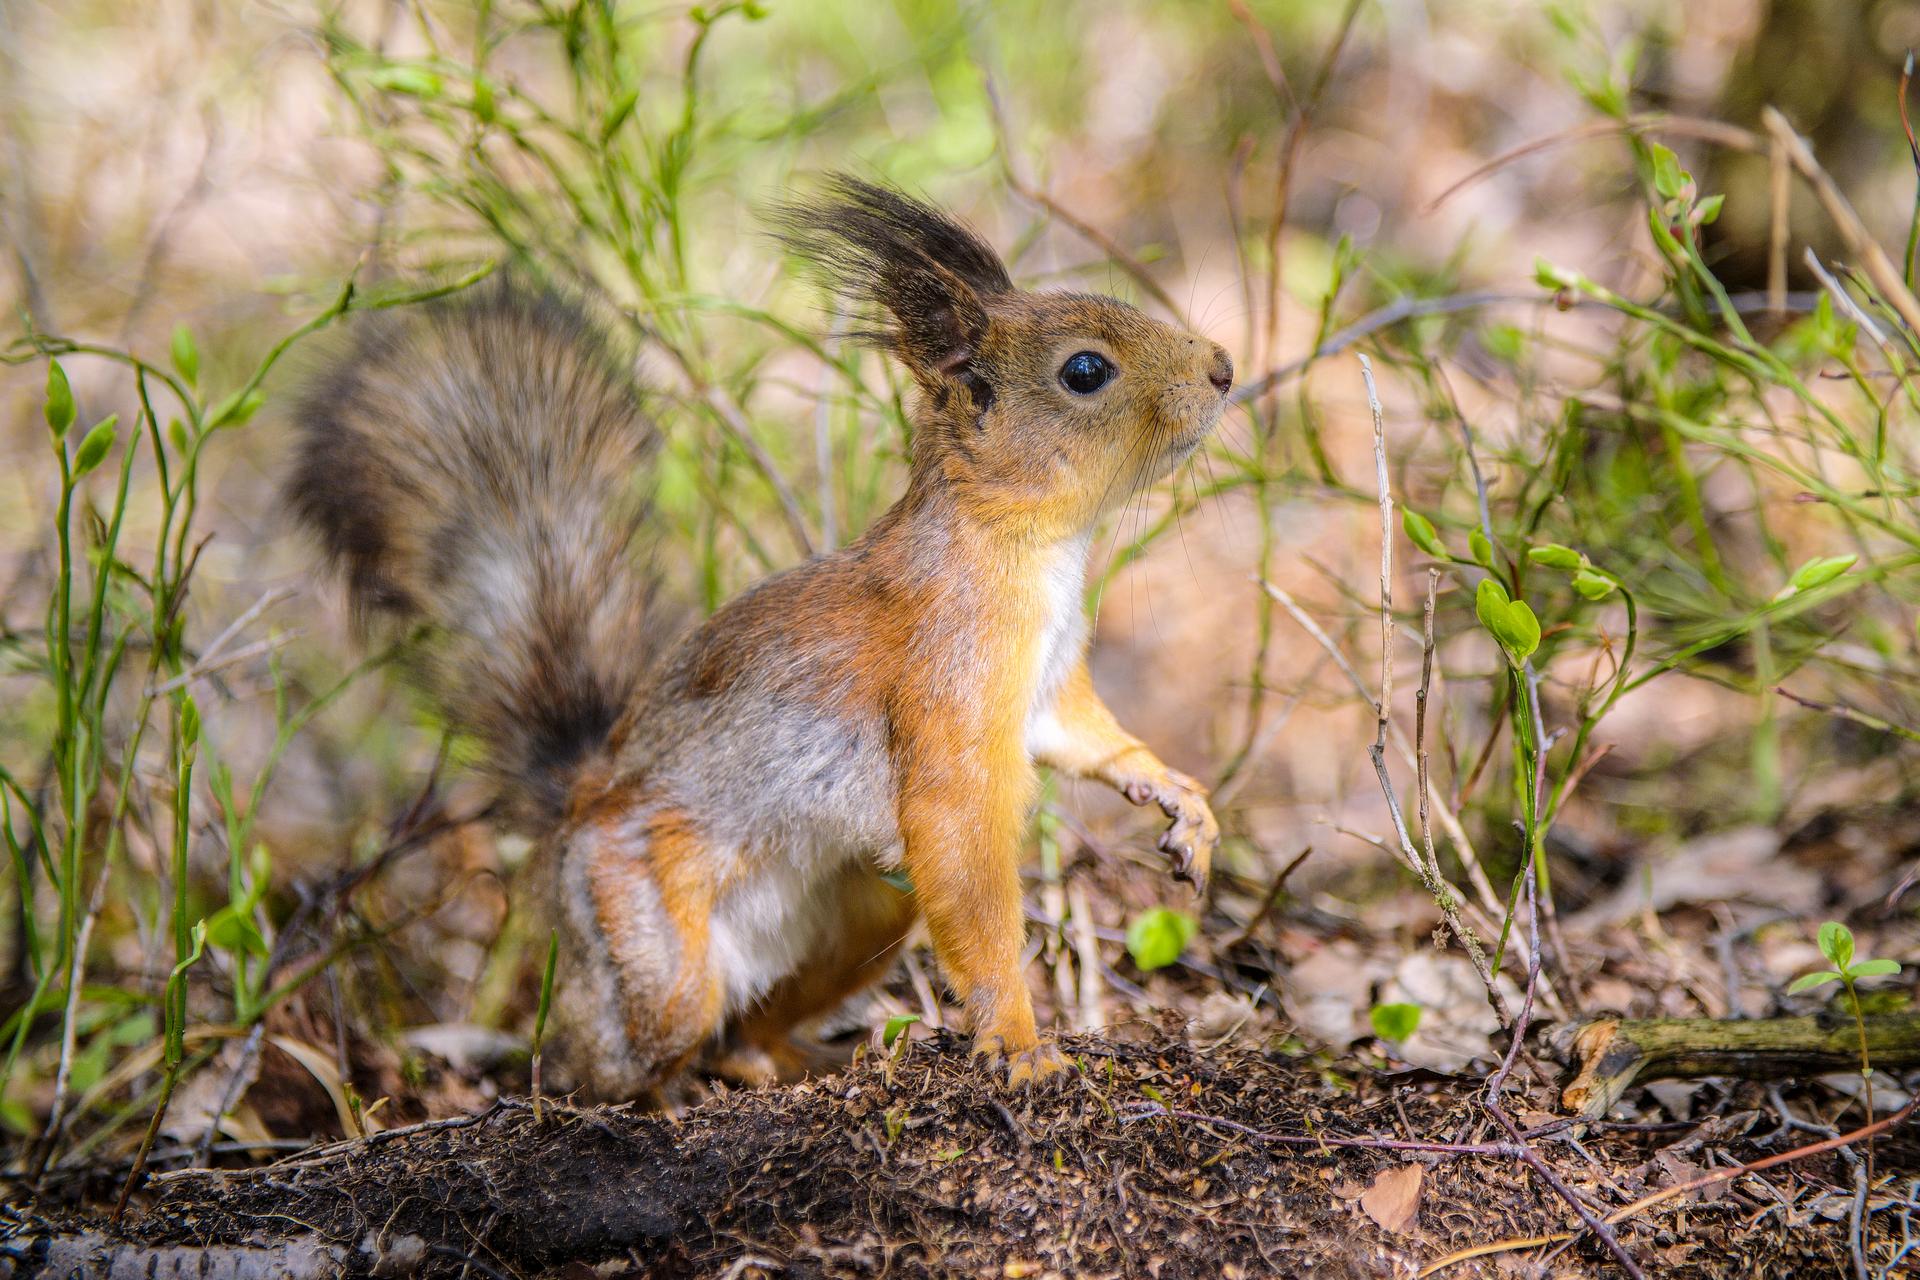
<point>723,820</point>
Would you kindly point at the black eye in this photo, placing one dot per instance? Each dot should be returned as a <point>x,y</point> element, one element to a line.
<point>1085,372</point>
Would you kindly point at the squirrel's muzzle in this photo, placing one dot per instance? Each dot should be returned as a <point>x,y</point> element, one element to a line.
<point>1220,372</point>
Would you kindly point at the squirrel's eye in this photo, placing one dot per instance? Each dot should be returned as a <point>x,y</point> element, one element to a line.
<point>1085,372</point>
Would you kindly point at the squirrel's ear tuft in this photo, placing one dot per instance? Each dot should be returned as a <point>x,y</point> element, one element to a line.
<point>926,270</point>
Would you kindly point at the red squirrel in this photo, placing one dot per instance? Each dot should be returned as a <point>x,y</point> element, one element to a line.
<point>723,822</point>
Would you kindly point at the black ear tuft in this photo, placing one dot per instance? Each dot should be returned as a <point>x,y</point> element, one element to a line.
<point>928,271</point>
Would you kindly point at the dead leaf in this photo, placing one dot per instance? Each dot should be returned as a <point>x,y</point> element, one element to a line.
<point>1326,993</point>
<point>1221,1015</point>
<point>463,1046</point>
<point>1393,1200</point>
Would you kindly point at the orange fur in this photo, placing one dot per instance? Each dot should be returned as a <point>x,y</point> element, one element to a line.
<point>673,873</point>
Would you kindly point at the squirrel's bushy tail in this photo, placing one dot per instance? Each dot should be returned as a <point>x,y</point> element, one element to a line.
<point>473,466</point>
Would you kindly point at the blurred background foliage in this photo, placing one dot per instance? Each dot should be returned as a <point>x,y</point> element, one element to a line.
<point>1272,172</point>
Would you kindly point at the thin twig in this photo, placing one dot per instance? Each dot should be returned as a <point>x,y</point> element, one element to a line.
<point>1283,178</point>
<point>1497,1082</point>
<point>733,420</point>
<point>1091,1005</point>
<point>1421,700</point>
<point>1449,304</point>
<point>1865,249</point>
<point>1267,903</point>
<point>207,666</point>
<point>1427,868</point>
<point>63,1075</point>
<point>1086,230</point>
<point>1846,712</point>
<point>1488,901</point>
<point>1843,299</point>
<point>230,1094</point>
<point>1716,131</point>
<point>1136,1111</point>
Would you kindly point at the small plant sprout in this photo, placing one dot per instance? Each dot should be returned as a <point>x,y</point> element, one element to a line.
<point>1836,944</point>
<point>894,1039</point>
<point>1395,1023</point>
<point>1156,937</point>
<point>895,1030</point>
<point>1817,572</point>
<point>540,1016</point>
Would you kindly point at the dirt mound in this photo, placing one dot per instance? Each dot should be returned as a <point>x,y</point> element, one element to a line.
<point>924,1167</point>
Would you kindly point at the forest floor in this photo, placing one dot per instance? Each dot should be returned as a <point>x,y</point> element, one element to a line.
<point>1159,1157</point>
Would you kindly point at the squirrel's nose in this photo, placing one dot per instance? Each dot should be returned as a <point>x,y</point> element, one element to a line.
<point>1220,374</point>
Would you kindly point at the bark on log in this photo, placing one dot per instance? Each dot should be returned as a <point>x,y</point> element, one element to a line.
<point>1614,1053</point>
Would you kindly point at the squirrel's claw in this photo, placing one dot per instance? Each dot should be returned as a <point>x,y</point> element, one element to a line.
<point>1025,1067</point>
<point>1189,843</point>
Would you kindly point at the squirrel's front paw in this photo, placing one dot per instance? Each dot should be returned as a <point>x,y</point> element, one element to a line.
<point>1025,1067</point>
<point>1190,841</point>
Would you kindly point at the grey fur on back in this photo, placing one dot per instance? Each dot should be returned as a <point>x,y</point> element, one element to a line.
<point>472,465</point>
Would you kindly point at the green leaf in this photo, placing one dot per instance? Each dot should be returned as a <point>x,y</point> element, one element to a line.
<point>231,930</point>
<point>622,108</point>
<point>1511,622</point>
<point>896,1027</point>
<point>1820,571</point>
<point>546,988</point>
<point>484,107</point>
<point>1504,342</point>
<point>95,445</point>
<point>418,81</point>
<point>186,356</point>
<point>1490,604</point>
<point>1156,938</point>
<point>199,939</point>
<point>59,409</point>
<point>1836,943</point>
<point>1877,968</point>
<point>1522,635</point>
<point>1662,233</point>
<point>1422,534</point>
<point>1555,556</point>
<point>1480,549</point>
<point>259,872</point>
<point>189,721</point>
<point>1395,1022</point>
<point>235,410</point>
<point>1592,583</point>
<point>1669,179</point>
<point>177,433</point>
<point>1548,276</point>
<point>1707,212</point>
<point>1808,981</point>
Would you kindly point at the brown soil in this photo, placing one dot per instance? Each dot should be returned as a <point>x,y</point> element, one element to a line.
<point>924,1167</point>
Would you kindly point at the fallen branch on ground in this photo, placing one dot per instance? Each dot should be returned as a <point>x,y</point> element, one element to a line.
<point>1614,1053</point>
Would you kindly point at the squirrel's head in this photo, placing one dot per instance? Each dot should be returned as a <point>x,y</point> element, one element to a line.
<point>1046,409</point>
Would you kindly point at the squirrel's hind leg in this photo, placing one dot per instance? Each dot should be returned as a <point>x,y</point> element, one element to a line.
<point>639,995</point>
<point>869,921</point>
